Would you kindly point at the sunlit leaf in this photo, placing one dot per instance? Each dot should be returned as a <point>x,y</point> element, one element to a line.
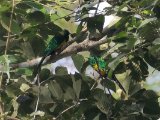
<point>116,61</point>
<point>24,87</point>
<point>146,21</point>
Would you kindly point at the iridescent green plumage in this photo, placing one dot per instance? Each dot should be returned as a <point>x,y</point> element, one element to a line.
<point>100,65</point>
<point>55,43</point>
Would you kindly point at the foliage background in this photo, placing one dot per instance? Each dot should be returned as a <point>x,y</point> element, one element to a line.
<point>27,25</point>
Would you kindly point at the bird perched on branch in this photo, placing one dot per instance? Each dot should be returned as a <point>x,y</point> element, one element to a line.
<point>54,44</point>
<point>100,66</point>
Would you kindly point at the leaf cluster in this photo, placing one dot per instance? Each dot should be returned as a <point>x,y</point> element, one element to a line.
<point>132,45</point>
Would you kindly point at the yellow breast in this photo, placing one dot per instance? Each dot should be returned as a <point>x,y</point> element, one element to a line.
<point>100,71</point>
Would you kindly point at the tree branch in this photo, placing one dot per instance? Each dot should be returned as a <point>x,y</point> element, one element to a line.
<point>72,49</point>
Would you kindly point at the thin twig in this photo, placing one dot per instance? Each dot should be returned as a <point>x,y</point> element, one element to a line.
<point>37,102</point>
<point>66,110</point>
<point>7,44</point>
<point>9,30</point>
<point>64,16</point>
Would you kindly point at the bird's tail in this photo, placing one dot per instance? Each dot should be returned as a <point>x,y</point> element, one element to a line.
<point>118,83</point>
<point>37,69</point>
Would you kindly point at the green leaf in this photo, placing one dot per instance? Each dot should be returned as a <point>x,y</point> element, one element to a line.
<point>5,6</point>
<point>24,71</point>
<point>54,17</point>
<point>108,84</point>
<point>69,94</point>
<point>15,106</point>
<point>55,90</point>
<point>131,42</point>
<point>94,23</point>
<point>156,41</point>
<point>79,28</point>
<point>5,62</point>
<point>151,108</point>
<point>100,22</point>
<point>150,31</point>
<point>15,28</point>
<point>2,43</point>
<point>152,61</point>
<point>113,64</point>
<point>150,95</point>
<point>61,70</point>
<point>155,50</point>
<point>76,85</point>
<point>146,21</point>
<point>44,74</point>
<point>36,17</point>
<point>134,88</point>
<point>13,90</point>
<point>52,109</point>
<point>27,50</point>
<point>121,37</point>
<point>33,4</point>
<point>103,102</point>
<point>78,61</point>
<point>24,87</point>
<point>92,113</point>
<point>44,95</point>
<point>36,46</point>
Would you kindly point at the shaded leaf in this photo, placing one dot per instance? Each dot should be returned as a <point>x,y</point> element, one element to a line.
<point>76,86</point>
<point>44,74</point>
<point>152,61</point>
<point>69,94</point>
<point>78,61</point>
<point>103,102</point>
<point>13,90</point>
<point>134,88</point>
<point>108,84</point>
<point>55,90</point>
<point>2,43</point>
<point>131,42</point>
<point>15,28</point>
<point>61,70</point>
<point>79,28</point>
<point>151,108</point>
<point>36,17</point>
<point>94,23</point>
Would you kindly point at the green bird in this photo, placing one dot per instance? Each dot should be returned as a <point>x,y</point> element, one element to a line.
<point>55,43</point>
<point>100,66</point>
